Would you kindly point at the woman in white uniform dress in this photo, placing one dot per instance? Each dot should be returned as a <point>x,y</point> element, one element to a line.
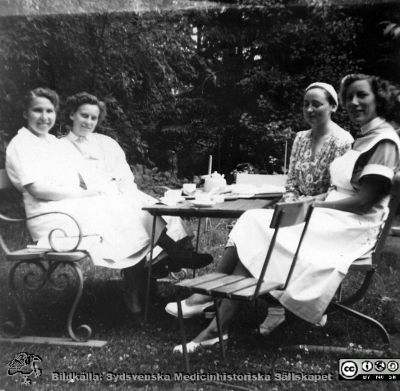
<point>102,163</point>
<point>48,175</point>
<point>342,228</point>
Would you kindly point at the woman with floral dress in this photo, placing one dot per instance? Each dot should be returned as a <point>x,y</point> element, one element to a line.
<point>342,229</point>
<point>312,152</point>
<point>314,149</point>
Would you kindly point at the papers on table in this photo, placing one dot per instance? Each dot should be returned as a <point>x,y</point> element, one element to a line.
<point>248,191</point>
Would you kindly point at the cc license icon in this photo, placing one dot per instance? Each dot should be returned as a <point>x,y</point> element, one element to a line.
<point>393,366</point>
<point>380,366</point>
<point>348,369</point>
<point>367,366</point>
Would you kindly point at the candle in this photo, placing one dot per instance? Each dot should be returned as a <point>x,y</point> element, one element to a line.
<point>209,164</point>
<point>284,163</point>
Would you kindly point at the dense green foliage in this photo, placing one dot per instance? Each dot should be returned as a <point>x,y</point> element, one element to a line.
<point>226,81</point>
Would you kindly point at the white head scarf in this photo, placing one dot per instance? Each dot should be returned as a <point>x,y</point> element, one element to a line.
<point>328,88</point>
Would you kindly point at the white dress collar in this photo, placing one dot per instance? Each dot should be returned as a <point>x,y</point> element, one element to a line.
<point>27,133</point>
<point>74,138</point>
<point>373,124</point>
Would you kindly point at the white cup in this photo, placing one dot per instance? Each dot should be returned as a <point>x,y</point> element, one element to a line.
<point>189,188</point>
<point>218,198</point>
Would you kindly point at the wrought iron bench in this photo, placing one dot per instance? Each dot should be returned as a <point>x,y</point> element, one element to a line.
<point>46,264</point>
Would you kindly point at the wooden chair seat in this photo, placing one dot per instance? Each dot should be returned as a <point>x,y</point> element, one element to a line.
<point>25,254</point>
<point>225,286</point>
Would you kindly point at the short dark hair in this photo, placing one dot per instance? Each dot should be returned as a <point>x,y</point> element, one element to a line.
<point>386,94</point>
<point>84,98</point>
<point>42,92</point>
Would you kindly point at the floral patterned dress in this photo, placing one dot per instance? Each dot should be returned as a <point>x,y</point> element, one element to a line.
<point>309,175</point>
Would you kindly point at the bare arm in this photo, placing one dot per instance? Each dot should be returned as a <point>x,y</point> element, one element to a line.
<point>43,191</point>
<point>372,190</point>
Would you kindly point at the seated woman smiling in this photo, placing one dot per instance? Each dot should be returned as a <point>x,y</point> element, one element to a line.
<point>342,228</point>
<point>312,152</point>
<point>102,164</point>
<point>51,178</point>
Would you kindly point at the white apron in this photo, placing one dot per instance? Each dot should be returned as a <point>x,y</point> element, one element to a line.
<point>334,240</point>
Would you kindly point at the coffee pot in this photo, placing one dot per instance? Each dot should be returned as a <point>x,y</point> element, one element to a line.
<point>214,181</point>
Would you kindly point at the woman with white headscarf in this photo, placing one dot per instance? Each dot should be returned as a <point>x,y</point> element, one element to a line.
<point>312,152</point>
<point>343,228</point>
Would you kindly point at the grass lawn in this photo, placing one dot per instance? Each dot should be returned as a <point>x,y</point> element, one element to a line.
<point>134,348</point>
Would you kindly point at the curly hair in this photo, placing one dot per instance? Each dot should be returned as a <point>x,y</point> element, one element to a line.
<point>42,92</point>
<point>387,96</point>
<point>84,98</point>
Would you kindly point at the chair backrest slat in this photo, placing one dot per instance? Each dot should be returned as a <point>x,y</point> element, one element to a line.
<point>285,215</point>
<point>293,213</point>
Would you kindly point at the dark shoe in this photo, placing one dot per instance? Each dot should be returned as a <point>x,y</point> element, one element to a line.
<point>160,269</point>
<point>181,257</point>
<point>192,260</point>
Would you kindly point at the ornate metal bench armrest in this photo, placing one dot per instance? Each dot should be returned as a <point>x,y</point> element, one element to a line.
<point>51,233</point>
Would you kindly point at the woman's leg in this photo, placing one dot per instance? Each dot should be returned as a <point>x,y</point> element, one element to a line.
<point>226,311</point>
<point>229,261</point>
<point>274,318</point>
<point>134,280</point>
<point>227,265</point>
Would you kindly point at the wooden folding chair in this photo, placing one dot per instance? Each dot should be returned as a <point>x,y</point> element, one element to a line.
<point>368,265</point>
<point>235,287</point>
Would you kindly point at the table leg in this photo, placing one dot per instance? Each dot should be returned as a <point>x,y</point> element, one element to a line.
<point>146,304</point>
<point>197,242</point>
<point>198,234</point>
<point>219,326</point>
